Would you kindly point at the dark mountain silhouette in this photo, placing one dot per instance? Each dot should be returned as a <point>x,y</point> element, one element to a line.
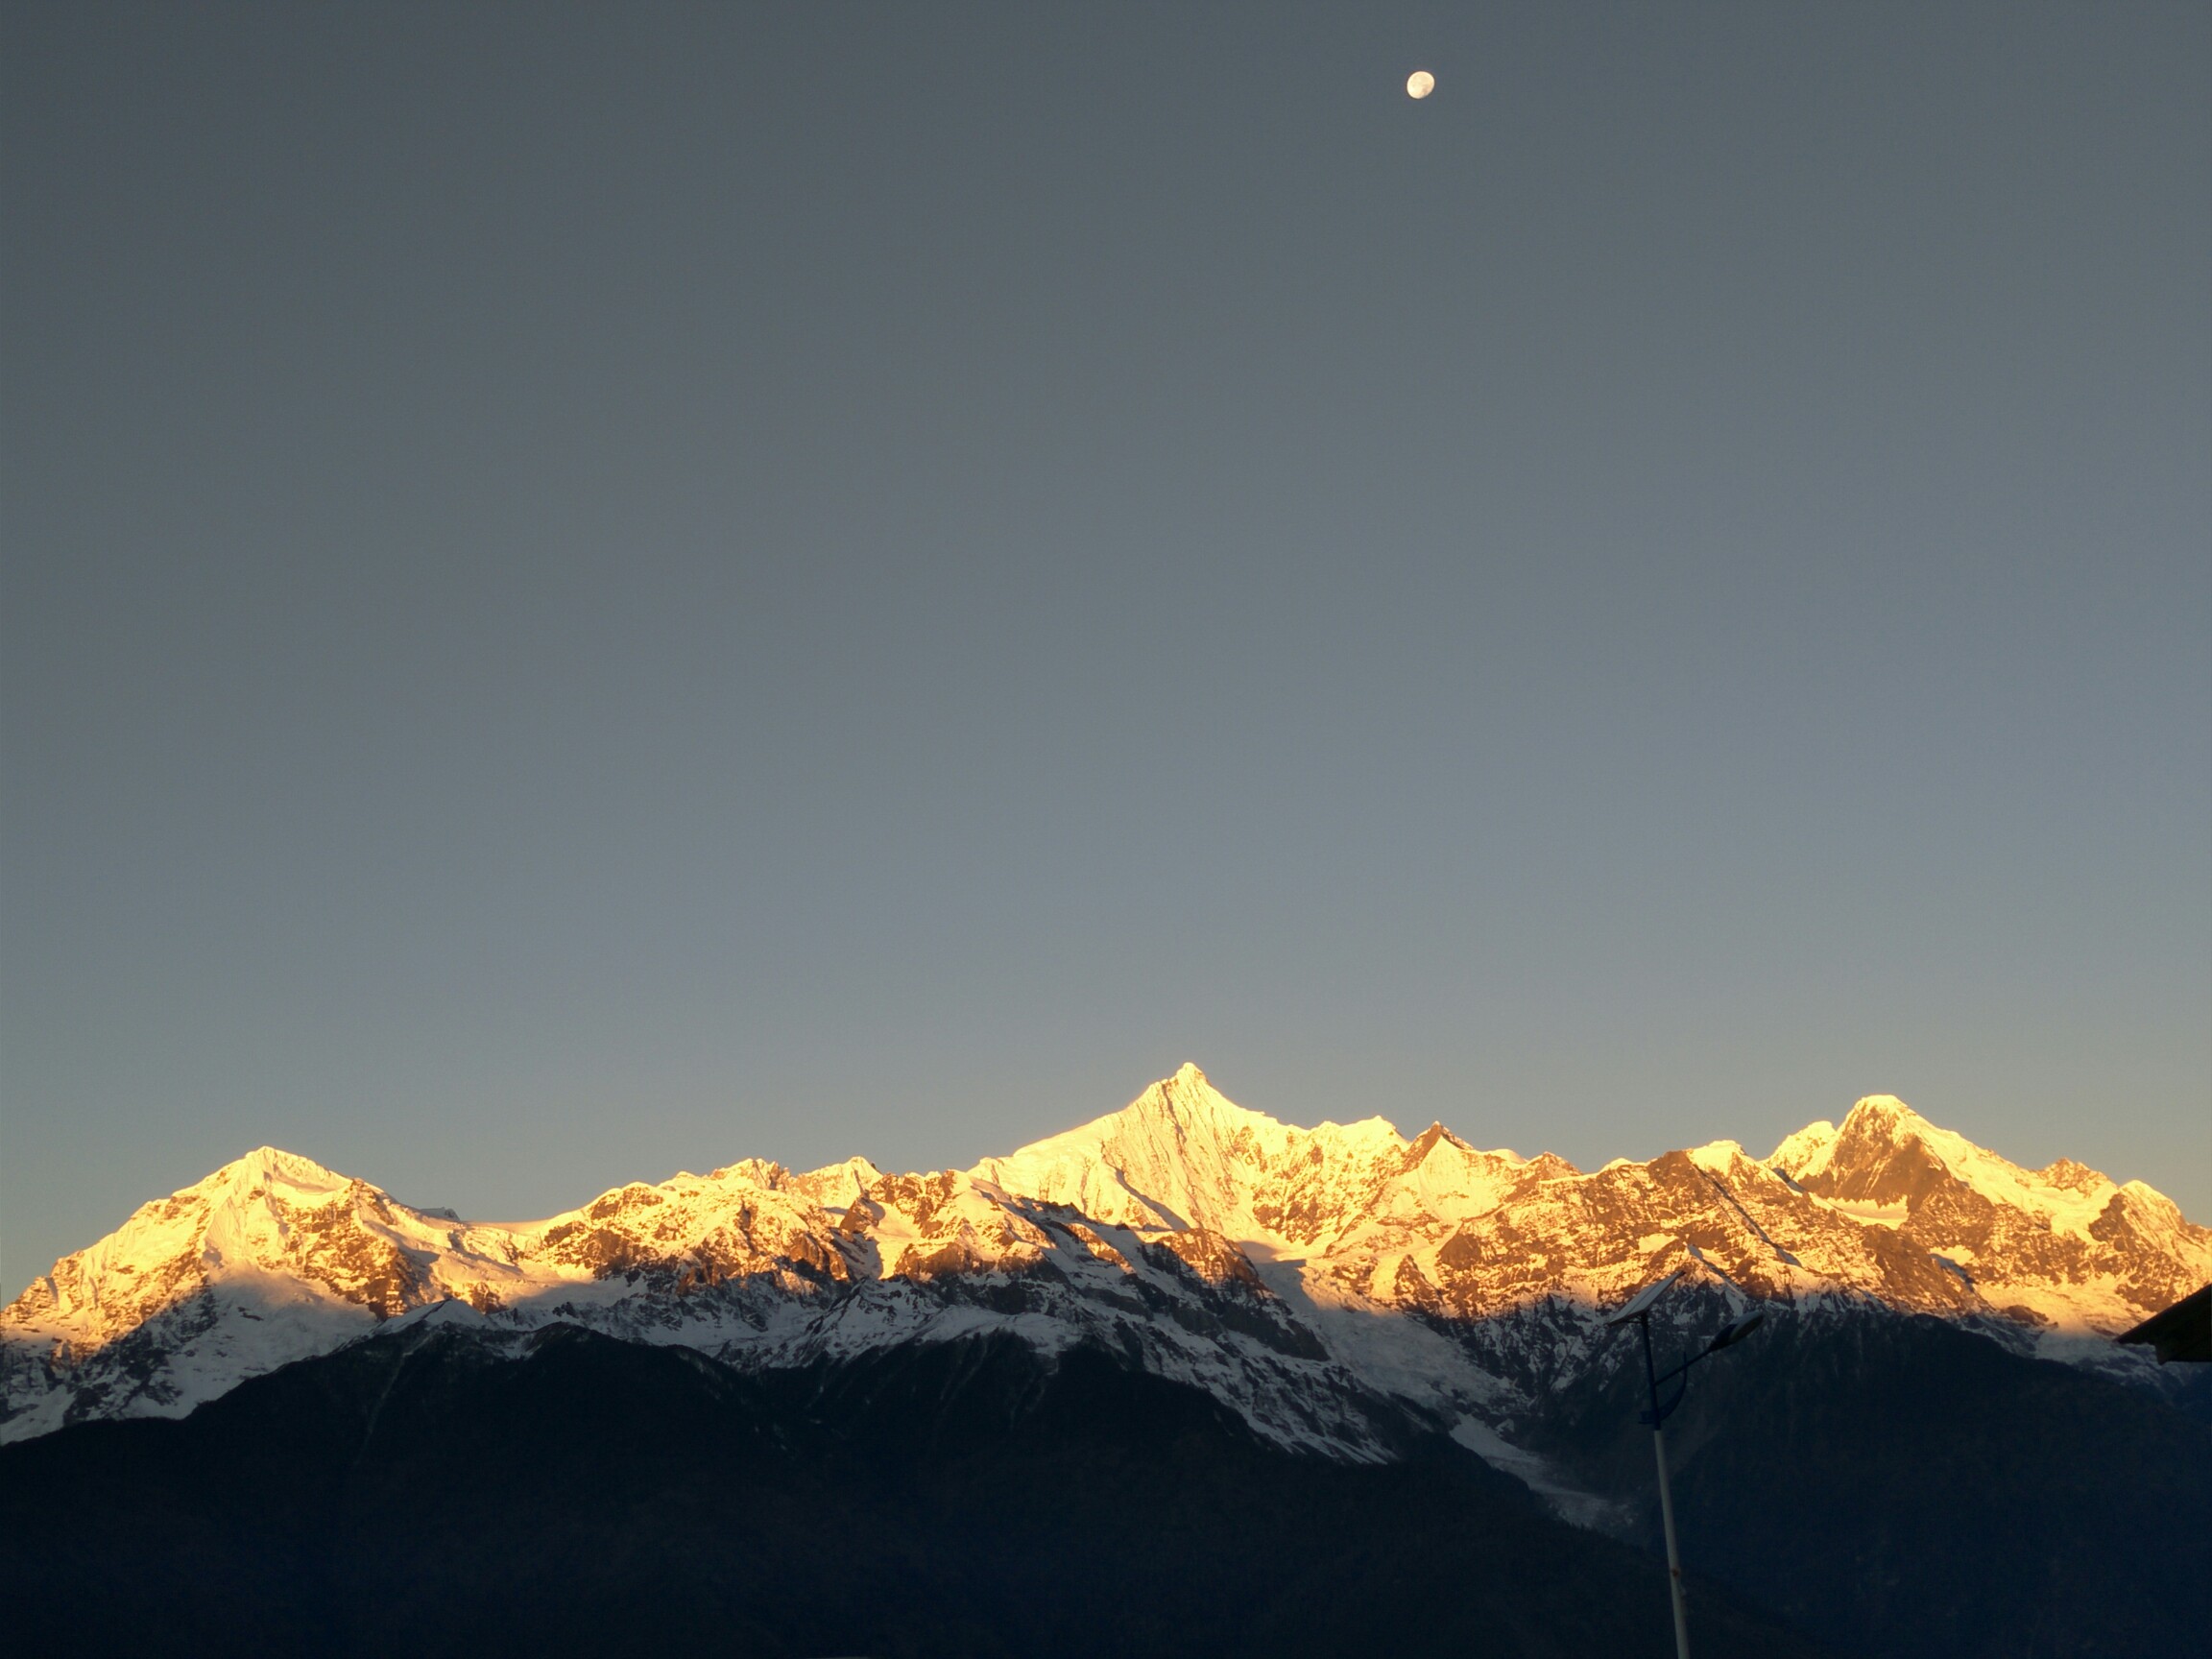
<point>1907,1488</point>
<point>415,1493</point>
<point>1181,1380</point>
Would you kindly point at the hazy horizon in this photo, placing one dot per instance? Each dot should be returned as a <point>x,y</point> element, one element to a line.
<point>588,593</point>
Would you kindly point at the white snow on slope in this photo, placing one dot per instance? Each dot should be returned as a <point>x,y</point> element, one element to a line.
<point>1298,1274</point>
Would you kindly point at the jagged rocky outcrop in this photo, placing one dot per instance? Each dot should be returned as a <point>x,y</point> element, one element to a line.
<point>1329,1283</point>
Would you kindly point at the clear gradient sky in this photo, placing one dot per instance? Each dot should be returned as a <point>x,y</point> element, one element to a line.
<point>597,590</point>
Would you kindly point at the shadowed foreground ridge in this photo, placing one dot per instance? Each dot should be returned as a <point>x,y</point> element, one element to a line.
<point>965,1498</point>
<point>1181,1379</point>
<point>1905,1488</point>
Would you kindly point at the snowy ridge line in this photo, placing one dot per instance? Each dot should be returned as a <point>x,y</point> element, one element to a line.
<point>1328,1283</point>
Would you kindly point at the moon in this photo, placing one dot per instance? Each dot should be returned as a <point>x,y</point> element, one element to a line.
<point>1420,84</point>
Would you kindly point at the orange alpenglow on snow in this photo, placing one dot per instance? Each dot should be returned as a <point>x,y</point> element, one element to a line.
<point>1293,1272</point>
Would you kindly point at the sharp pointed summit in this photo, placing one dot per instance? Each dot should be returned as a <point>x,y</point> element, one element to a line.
<point>1300,1275</point>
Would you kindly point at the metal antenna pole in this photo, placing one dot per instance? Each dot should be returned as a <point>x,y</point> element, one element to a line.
<point>1639,1310</point>
<point>1665,1498</point>
<point>1673,1552</point>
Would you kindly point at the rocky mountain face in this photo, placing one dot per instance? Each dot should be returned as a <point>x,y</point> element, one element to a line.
<point>1331,1286</point>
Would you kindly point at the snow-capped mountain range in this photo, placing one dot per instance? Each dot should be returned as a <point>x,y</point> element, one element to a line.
<point>1329,1283</point>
